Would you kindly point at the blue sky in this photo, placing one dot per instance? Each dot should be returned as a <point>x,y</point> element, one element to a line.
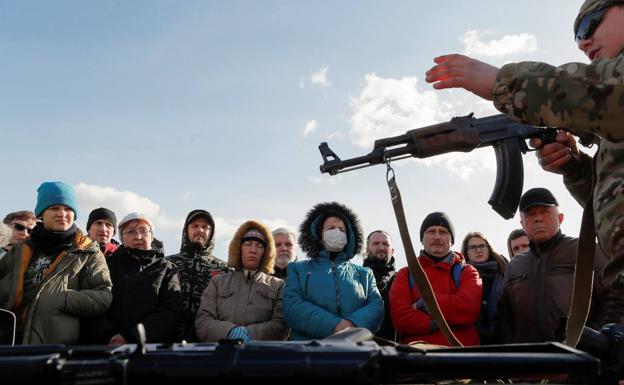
<point>168,106</point>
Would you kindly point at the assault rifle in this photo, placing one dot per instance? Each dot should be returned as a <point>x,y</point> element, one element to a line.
<point>459,134</point>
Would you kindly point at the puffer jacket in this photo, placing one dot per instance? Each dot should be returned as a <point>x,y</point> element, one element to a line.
<point>196,267</point>
<point>79,286</point>
<point>146,290</point>
<point>235,299</point>
<point>460,305</point>
<point>322,291</point>
<point>538,290</point>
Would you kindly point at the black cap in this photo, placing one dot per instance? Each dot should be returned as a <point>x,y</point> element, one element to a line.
<point>537,196</point>
<point>437,218</point>
<point>199,213</point>
<point>102,213</point>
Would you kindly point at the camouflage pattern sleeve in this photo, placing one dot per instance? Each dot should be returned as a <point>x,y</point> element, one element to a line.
<point>579,184</point>
<point>575,96</point>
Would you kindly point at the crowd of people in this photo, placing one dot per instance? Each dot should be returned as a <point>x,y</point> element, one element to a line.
<point>66,286</point>
<point>70,287</point>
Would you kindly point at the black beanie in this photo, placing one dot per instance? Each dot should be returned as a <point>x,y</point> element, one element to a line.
<point>437,218</point>
<point>102,213</point>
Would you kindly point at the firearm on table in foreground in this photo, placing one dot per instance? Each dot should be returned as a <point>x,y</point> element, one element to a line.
<point>459,134</point>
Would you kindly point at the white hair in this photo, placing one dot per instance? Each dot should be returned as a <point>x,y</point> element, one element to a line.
<point>285,231</point>
<point>5,235</point>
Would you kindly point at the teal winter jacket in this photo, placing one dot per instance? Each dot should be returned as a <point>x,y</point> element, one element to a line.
<point>320,292</point>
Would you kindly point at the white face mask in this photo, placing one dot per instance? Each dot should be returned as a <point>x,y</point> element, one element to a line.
<point>334,240</point>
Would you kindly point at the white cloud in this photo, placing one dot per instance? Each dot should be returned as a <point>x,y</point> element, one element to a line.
<point>301,83</point>
<point>474,44</point>
<point>121,203</point>
<point>319,78</point>
<point>334,135</point>
<point>167,229</point>
<point>390,107</point>
<point>309,128</point>
<point>463,165</point>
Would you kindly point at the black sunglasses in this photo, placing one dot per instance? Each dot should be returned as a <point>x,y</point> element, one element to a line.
<point>588,24</point>
<point>20,227</point>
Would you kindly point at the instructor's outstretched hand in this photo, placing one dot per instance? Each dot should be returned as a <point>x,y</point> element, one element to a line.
<point>459,71</point>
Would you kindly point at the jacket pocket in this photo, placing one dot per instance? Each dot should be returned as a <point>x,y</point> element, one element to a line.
<point>264,304</point>
<point>226,294</point>
<point>517,279</point>
<point>266,293</point>
<point>561,269</point>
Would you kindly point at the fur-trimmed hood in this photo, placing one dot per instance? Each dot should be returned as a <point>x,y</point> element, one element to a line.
<point>309,231</point>
<point>234,254</point>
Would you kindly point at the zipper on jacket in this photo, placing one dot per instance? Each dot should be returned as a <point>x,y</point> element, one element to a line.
<point>189,295</point>
<point>305,288</point>
<point>333,270</point>
<point>541,294</point>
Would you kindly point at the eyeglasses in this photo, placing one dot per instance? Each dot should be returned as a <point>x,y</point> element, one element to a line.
<point>588,25</point>
<point>134,233</point>
<point>482,246</point>
<point>20,227</point>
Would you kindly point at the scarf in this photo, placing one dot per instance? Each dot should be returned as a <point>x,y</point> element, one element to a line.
<point>52,242</point>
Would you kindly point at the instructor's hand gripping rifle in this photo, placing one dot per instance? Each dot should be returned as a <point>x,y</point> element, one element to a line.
<point>460,134</point>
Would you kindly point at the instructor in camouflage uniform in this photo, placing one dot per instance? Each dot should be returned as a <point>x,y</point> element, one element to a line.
<point>582,98</point>
<point>196,266</point>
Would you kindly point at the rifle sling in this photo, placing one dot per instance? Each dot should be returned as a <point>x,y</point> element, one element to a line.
<point>415,269</point>
<point>583,276</point>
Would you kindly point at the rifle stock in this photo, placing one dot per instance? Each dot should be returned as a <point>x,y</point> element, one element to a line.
<point>459,134</point>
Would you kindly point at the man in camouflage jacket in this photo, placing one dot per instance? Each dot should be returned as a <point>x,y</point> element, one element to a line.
<point>586,99</point>
<point>196,266</point>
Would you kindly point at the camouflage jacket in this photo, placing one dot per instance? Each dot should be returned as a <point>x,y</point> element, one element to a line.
<point>585,99</point>
<point>195,268</point>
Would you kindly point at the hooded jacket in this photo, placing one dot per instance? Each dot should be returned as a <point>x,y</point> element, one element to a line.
<point>252,300</point>
<point>78,286</point>
<point>196,267</point>
<point>320,292</point>
<point>459,304</point>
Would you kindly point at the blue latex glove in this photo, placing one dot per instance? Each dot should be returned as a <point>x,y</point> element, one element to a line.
<point>239,332</point>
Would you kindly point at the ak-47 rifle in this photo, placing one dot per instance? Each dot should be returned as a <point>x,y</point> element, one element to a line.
<point>459,134</point>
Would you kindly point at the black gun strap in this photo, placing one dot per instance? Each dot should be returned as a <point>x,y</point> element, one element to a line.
<point>420,278</point>
<point>583,276</point>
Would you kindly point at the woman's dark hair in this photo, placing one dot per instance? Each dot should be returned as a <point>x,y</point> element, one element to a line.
<point>493,254</point>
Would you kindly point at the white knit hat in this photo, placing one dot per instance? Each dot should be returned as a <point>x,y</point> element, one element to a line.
<point>135,216</point>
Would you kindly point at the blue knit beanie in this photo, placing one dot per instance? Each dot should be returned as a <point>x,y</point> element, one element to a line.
<point>55,193</point>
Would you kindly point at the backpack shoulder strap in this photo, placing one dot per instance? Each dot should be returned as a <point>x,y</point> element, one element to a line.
<point>456,271</point>
<point>410,280</point>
